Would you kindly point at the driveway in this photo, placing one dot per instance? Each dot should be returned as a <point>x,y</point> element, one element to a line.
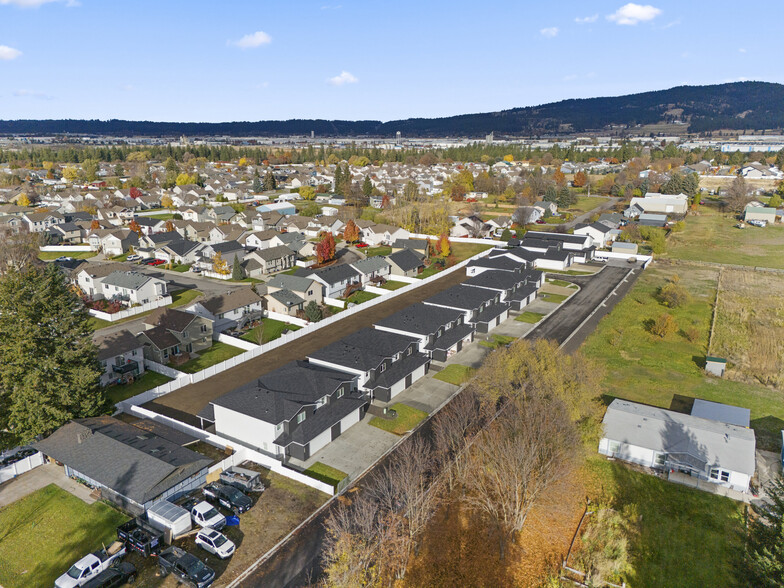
<point>40,477</point>
<point>587,215</point>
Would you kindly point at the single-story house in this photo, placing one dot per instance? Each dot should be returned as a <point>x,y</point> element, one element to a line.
<point>707,449</point>
<point>405,262</point>
<point>517,290</point>
<point>132,466</point>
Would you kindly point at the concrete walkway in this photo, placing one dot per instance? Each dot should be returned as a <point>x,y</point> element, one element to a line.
<point>41,477</point>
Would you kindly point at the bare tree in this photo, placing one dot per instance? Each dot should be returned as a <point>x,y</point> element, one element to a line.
<point>405,496</point>
<point>453,429</point>
<point>18,249</point>
<point>523,215</point>
<point>530,447</point>
<point>738,195</point>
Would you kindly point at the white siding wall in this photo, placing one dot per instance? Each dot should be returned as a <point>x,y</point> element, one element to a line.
<point>246,429</point>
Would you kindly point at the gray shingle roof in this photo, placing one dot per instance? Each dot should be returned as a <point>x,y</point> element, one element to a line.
<point>129,280</point>
<point>462,297</point>
<point>131,461</point>
<point>293,283</point>
<point>286,297</point>
<point>420,319</point>
<point>116,344</point>
<point>371,264</point>
<point>272,253</point>
<point>405,259</point>
<point>383,342</point>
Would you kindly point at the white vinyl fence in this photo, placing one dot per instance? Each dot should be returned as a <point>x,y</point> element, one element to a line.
<point>286,318</point>
<point>606,255</point>
<point>65,248</point>
<point>187,379</point>
<point>234,341</point>
<point>133,311</point>
<point>241,453</point>
<point>21,466</point>
<point>334,302</point>
<point>154,366</point>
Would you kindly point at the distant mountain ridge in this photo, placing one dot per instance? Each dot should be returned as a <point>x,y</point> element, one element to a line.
<point>738,105</point>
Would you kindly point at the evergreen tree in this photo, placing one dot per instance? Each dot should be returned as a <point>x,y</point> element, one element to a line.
<point>764,563</point>
<point>313,312</point>
<point>367,186</point>
<point>338,179</point>
<point>49,372</point>
<point>506,235</point>
<point>551,194</point>
<point>257,187</point>
<point>270,183</point>
<point>237,273</point>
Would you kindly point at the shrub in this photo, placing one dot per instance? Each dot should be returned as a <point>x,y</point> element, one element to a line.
<point>673,294</point>
<point>692,333</point>
<point>664,325</point>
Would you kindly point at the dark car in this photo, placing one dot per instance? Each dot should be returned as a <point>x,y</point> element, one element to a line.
<point>540,222</point>
<point>227,496</point>
<point>187,567</point>
<point>122,573</point>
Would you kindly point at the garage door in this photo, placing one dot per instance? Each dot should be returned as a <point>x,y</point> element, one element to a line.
<point>335,431</point>
<point>408,380</point>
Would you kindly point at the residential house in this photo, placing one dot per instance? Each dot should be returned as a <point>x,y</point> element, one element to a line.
<point>150,225</point>
<point>758,171</point>
<point>296,242</point>
<point>503,261</point>
<point>307,288</point>
<point>385,363</point>
<point>291,412</point>
<point>442,332</point>
<point>405,262</point>
<point>171,333</point>
<point>121,356</point>
<point>759,213</point>
<point>228,232</point>
<point>372,269</point>
<point>132,288</point>
<point>259,239</point>
<point>155,241</point>
<point>131,466</point>
<point>601,234</point>
<point>658,203</point>
<point>375,234</point>
<point>182,252</point>
<point>516,289</point>
<point>227,311</point>
<point>264,262</point>
<point>39,222</point>
<point>482,307</point>
<point>334,278</point>
<point>470,226</point>
<point>112,242</point>
<point>228,251</point>
<point>669,441</point>
<point>416,245</point>
<point>69,233</point>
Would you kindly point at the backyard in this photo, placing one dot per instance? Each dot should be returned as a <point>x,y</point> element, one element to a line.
<point>360,296</point>
<point>45,532</point>
<point>272,329</point>
<point>217,353</point>
<point>668,371</point>
<point>179,298</point>
<point>407,418</point>
<point>52,255</point>
<point>712,236</point>
<point>529,317</point>
<point>147,381</point>
<point>586,203</point>
<point>393,285</point>
<point>382,250</point>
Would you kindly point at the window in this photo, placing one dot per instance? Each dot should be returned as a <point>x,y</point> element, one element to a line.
<point>321,402</point>
<point>301,417</point>
<point>719,474</point>
<point>340,392</point>
<point>381,368</point>
<point>659,460</point>
<point>614,446</point>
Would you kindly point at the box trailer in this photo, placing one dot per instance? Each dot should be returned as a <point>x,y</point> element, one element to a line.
<point>242,479</point>
<point>169,518</point>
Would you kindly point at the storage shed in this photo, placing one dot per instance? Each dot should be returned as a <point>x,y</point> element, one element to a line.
<point>169,518</point>
<point>715,366</point>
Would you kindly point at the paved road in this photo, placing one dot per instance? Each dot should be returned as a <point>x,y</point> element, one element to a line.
<point>568,324</point>
<point>185,403</point>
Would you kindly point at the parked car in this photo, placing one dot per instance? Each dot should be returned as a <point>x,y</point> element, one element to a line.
<point>90,566</point>
<point>186,567</point>
<point>157,262</point>
<point>133,258</point>
<point>206,515</point>
<point>118,575</point>
<point>758,223</point>
<point>64,258</point>
<point>196,270</point>
<point>227,496</point>
<point>215,542</point>
<point>540,222</point>
<point>362,245</point>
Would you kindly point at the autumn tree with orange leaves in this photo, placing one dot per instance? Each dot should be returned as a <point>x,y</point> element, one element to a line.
<point>135,227</point>
<point>325,250</point>
<point>351,232</point>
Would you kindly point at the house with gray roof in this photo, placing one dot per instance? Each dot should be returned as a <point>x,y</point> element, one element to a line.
<point>385,363</point>
<point>442,332</point>
<point>305,287</point>
<point>335,278</point>
<point>226,311</point>
<point>405,262</point>
<point>270,260</point>
<point>372,269</point>
<point>172,334</point>
<point>291,412</point>
<point>132,287</point>
<point>516,289</point>
<point>182,252</point>
<point>132,466</point>
<point>284,301</point>
<point>482,307</point>
<point>121,357</point>
<point>713,450</point>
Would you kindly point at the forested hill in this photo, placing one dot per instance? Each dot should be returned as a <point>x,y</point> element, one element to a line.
<point>740,105</point>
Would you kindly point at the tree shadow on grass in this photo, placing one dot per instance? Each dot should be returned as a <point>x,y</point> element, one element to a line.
<point>682,404</point>
<point>768,432</point>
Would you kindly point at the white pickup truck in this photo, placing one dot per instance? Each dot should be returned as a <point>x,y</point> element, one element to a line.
<point>90,566</point>
<point>206,515</point>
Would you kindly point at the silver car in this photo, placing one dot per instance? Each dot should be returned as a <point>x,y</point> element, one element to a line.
<point>215,542</point>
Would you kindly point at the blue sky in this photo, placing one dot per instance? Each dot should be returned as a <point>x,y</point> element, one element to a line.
<point>254,60</point>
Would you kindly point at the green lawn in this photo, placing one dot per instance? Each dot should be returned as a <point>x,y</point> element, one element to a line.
<point>497,341</point>
<point>383,250</point>
<point>147,381</point>
<point>712,236</point>
<point>574,273</point>
<point>42,534</point>
<point>668,372</point>
<point>428,271</point>
<point>324,473</point>
<point>162,216</point>
<point>52,255</point>
<point>181,267</point>
<point>392,285</point>
<point>455,374</point>
<point>529,317</point>
<point>586,203</point>
<point>272,330</point>
<point>407,418</point>
<point>361,296</point>
<point>562,283</point>
<point>183,297</point>
<point>123,257</point>
<point>681,536</point>
<point>463,251</point>
<point>554,298</point>
<point>217,353</point>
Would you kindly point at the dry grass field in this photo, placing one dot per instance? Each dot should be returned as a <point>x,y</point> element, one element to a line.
<point>749,330</point>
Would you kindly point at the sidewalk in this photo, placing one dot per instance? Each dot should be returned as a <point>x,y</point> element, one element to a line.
<point>41,477</point>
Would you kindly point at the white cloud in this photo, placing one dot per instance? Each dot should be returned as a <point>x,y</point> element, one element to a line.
<point>549,32</point>
<point>32,94</point>
<point>631,14</point>
<point>332,7</point>
<point>342,79</point>
<point>251,41</point>
<point>570,77</point>
<point>586,19</point>
<point>741,50</point>
<point>8,53</point>
<point>37,3</point>
<point>674,23</point>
